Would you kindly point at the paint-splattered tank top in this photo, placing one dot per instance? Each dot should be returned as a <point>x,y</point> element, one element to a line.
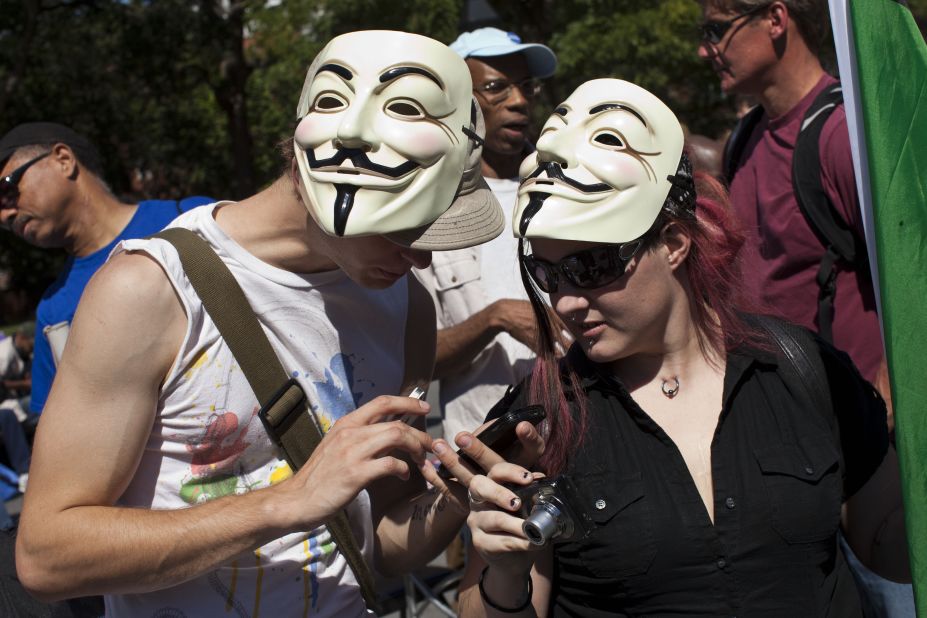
<point>344,344</point>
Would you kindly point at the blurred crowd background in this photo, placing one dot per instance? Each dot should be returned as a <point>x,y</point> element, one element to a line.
<point>193,97</point>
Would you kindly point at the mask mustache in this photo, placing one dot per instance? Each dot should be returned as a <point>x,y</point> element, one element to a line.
<point>344,197</point>
<point>555,171</point>
<point>360,160</point>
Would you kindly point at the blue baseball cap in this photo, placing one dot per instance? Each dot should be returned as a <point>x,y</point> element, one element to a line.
<point>491,42</point>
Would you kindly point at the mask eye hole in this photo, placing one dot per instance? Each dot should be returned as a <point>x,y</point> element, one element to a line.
<point>609,139</point>
<point>328,102</point>
<point>404,109</point>
<point>561,111</point>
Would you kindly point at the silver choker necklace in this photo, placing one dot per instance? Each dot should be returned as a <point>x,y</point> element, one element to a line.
<point>670,391</point>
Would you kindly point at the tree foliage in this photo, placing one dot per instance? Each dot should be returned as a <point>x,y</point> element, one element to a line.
<point>193,97</point>
<point>652,44</point>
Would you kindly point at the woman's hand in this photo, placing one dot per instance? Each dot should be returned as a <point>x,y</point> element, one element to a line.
<point>493,518</point>
<point>493,506</point>
<point>527,451</point>
<point>499,570</point>
<point>495,522</point>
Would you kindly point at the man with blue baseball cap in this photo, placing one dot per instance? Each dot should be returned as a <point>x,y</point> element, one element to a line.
<point>506,74</point>
<point>487,328</point>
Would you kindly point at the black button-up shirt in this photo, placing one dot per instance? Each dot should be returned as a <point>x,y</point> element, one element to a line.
<point>780,473</point>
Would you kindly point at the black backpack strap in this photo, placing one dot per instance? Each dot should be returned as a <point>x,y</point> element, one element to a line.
<point>737,142</point>
<point>839,240</point>
<point>803,371</point>
<point>284,406</point>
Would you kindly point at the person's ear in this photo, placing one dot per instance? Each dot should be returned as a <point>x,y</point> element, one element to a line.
<point>778,16</point>
<point>295,178</point>
<point>677,243</point>
<point>63,160</point>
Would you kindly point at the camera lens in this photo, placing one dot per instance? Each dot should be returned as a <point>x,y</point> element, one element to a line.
<point>542,524</point>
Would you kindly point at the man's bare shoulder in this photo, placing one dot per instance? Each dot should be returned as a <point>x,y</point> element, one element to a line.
<point>132,278</point>
<point>130,296</point>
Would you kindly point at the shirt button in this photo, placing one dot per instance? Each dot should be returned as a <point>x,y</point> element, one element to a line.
<point>721,563</point>
<point>453,279</point>
<point>599,504</point>
<point>809,470</point>
<point>730,503</point>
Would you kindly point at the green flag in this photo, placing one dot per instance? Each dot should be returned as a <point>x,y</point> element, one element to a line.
<point>883,66</point>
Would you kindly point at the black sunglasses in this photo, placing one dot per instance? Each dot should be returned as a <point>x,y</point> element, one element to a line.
<point>9,185</point>
<point>713,31</point>
<point>589,269</point>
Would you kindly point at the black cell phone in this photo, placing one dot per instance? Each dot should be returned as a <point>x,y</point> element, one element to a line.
<point>501,435</point>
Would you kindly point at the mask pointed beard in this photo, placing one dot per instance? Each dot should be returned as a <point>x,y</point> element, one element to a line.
<point>535,201</point>
<point>344,201</point>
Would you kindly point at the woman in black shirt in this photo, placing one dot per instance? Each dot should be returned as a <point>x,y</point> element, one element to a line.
<point>710,478</point>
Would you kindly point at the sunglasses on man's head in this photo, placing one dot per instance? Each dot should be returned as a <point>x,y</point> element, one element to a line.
<point>713,31</point>
<point>588,269</point>
<point>9,184</point>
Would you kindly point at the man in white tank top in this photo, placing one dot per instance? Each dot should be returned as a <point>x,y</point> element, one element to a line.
<point>153,482</point>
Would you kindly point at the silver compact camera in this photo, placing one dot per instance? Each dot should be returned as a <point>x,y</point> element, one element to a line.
<point>553,511</point>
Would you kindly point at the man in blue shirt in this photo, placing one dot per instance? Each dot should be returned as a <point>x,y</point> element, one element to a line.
<point>52,195</point>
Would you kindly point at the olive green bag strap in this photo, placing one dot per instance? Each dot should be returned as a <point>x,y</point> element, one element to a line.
<point>284,406</point>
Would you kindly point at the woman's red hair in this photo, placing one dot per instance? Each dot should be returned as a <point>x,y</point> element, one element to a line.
<point>718,306</point>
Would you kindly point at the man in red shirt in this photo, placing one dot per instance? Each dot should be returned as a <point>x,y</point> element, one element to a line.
<point>770,51</point>
<point>766,51</point>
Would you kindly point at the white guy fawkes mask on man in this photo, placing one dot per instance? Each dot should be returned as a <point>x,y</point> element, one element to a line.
<point>380,143</point>
<point>601,166</point>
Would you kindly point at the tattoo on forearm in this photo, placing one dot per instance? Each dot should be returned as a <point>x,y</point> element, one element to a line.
<point>420,512</point>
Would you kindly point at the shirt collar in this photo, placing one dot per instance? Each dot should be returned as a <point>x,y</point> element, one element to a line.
<point>739,364</point>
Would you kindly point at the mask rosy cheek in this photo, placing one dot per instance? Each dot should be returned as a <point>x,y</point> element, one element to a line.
<point>625,173</point>
<point>312,131</point>
<point>303,131</point>
<point>423,145</point>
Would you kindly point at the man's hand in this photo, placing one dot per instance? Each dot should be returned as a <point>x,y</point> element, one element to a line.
<point>883,385</point>
<point>516,317</point>
<point>356,451</point>
<point>458,345</point>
